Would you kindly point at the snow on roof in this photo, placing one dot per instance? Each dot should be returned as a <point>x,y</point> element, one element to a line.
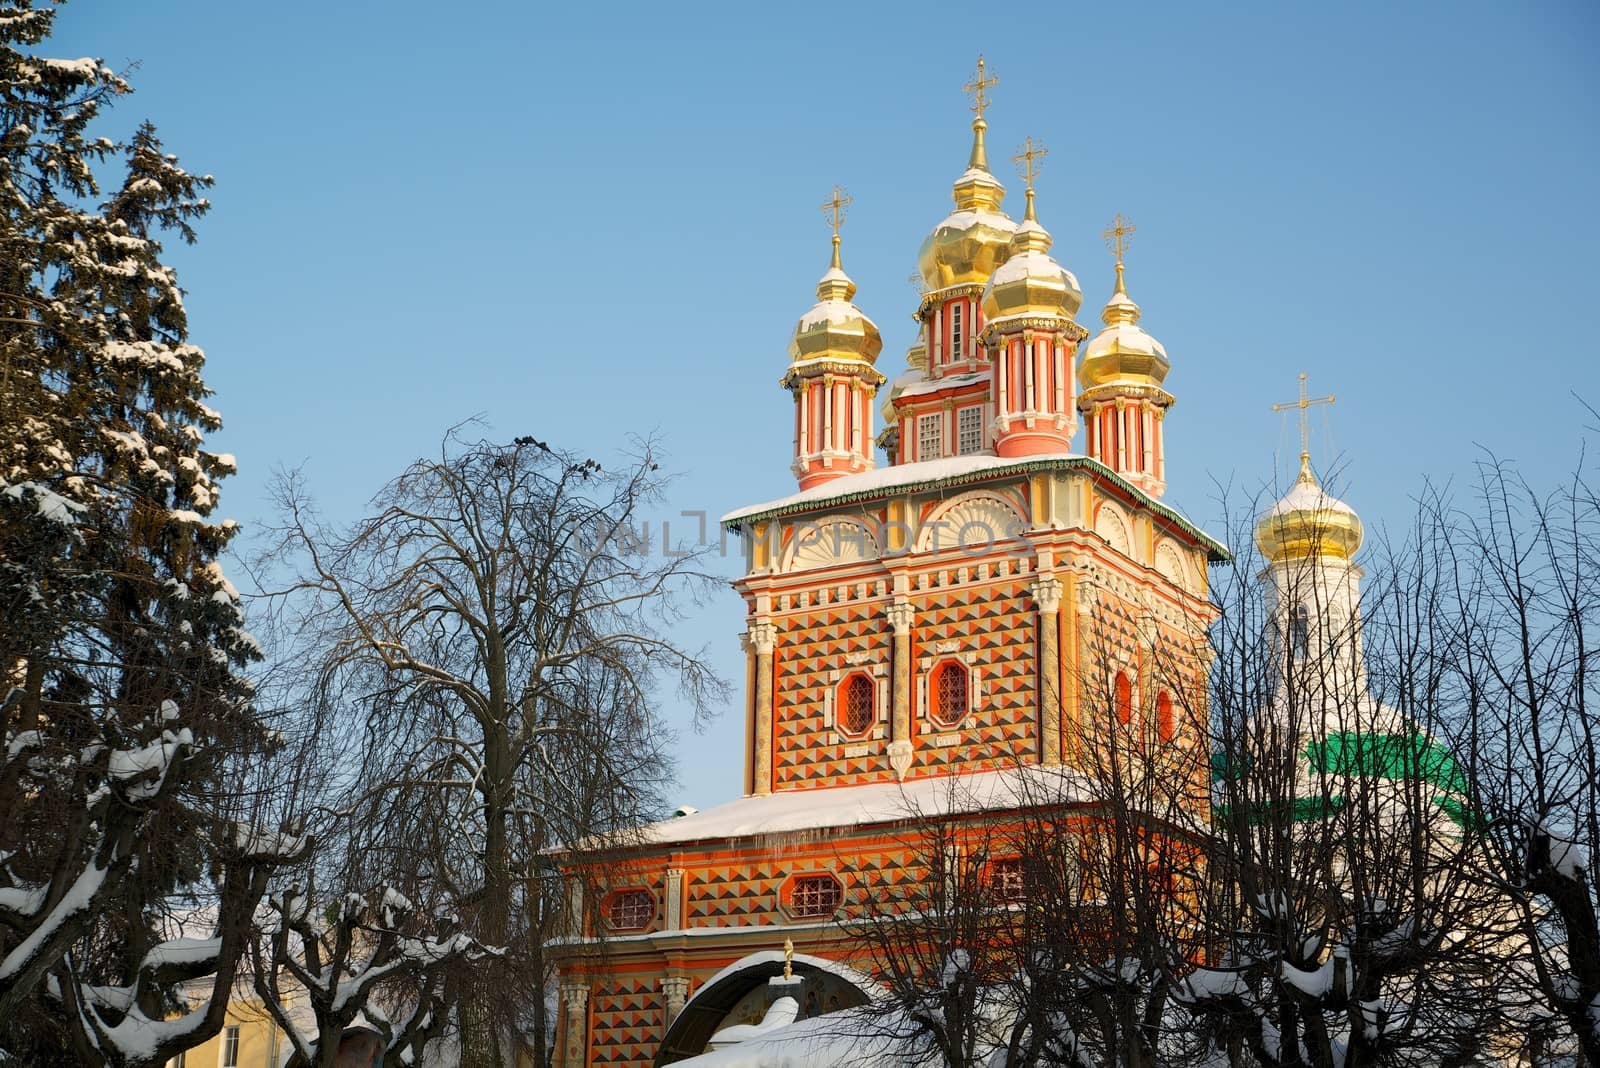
<point>871,1035</point>
<point>967,218</point>
<point>1306,496</point>
<point>955,470</point>
<point>934,385</point>
<point>1123,337</point>
<point>831,311</point>
<point>789,811</point>
<point>881,478</point>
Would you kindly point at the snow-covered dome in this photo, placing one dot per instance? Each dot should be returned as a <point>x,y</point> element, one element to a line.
<point>1030,282</point>
<point>970,242</point>
<point>1123,353</point>
<point>1308,521</point>
<point>834,327</point>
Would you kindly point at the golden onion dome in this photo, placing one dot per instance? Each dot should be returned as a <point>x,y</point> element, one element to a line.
<point>973,240</point>
<point>1030,282</point>
<point>1308,522</point>
<point>1122,353</point>
<point>834,328</point>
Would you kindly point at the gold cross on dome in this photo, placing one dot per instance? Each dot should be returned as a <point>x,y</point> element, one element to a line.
<point>1304,404</point>
<point>1117,235</point>
<point>978,88</point>
<point>834,208</point>
<point>1028,159</point>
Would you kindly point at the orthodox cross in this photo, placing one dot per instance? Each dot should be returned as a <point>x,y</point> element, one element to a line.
<point>1304,404</point>
<point>1029,158</point>
<point>979,88</point>
<point>834,208</point>
<point>1117,235</point>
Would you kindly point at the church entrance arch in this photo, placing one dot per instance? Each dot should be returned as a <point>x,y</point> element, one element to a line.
<point>741,994</point>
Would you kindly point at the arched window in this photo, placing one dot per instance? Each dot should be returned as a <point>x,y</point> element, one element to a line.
<point>949,692</point>
<point>1166,727</point>
<point>1300,633</point>
<point>856,705</point>
<point>1124,698</point>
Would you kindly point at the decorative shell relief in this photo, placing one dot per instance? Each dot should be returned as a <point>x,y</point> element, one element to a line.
<point>1172,566</point>
<point>1112,525</point>
<point>830,542</point>
<point>972,522</point>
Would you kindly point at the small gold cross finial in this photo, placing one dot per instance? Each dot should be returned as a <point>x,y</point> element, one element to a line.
<point>1304,405</point>
<point>1028,159</point>
<point>979,88</point>
<point>1116,236</point>
<point>834,208</point>
<point>788,958</point>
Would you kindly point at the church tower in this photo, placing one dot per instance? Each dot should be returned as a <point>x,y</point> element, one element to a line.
<point>952,633</point>
<point>1309,539</point>
<point>831,374</point>
<point>1123,402</point>
<point>1031,337</point>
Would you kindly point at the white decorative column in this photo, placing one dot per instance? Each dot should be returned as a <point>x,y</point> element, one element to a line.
<point>675,991</point>
<point>674,900</point>
<point>901,616</point>
<point>1046,590</point>
<point>575,1002</point>
<point>763,636</point>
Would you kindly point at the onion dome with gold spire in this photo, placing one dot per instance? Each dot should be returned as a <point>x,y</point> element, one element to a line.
<point>959,255</point>
<point>1031,336</point>
<point>1121,376</point>
<point>1308,522</point>
<point>831,373</point>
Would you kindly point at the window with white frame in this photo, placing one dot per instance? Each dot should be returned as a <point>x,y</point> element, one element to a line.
<point>930,436</point>
<point>230,1047</point>
<point>969,430</point>
<point>956,338</point>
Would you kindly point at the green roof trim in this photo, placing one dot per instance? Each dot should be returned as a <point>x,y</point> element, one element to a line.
<point>1388,756</point>
<point>1216,552</point>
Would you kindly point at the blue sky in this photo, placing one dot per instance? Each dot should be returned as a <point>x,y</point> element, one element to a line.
<point>605,215</point>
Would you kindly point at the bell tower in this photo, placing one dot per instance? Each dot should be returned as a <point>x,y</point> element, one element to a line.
<point>1123,402</point>
<point>1031,336</point>
<point>831,374</point>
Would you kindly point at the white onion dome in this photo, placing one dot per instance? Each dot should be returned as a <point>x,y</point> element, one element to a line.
<point>967,246</point>
<point>1308,522</point>
<point>1122,354</point>
<point>834,328</point>
<point>1030,282</point>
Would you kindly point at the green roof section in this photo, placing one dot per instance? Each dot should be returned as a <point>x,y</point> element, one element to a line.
<point>1216,552</point>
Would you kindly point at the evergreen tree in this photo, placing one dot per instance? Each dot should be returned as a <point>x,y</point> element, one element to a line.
<point>127,720</point>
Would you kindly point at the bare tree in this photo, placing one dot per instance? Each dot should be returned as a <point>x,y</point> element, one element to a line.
<point>496,630</point>
<point>1521,579</point>
<point>1347,920</point>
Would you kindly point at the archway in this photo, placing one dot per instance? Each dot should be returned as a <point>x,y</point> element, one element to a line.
<point>713,1005</point>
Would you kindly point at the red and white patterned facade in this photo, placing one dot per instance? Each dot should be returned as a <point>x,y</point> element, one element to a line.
<point>942,614</point>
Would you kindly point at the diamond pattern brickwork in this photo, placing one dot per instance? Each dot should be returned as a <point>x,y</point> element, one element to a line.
<point>626,1024</point>
<point>811,647</point>
<point>992,628</point>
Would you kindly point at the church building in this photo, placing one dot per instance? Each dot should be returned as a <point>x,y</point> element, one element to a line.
<point>942,615</point>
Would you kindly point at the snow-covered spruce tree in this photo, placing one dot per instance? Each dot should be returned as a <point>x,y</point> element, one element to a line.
<point>126,721</point>
<point>492,635</point>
